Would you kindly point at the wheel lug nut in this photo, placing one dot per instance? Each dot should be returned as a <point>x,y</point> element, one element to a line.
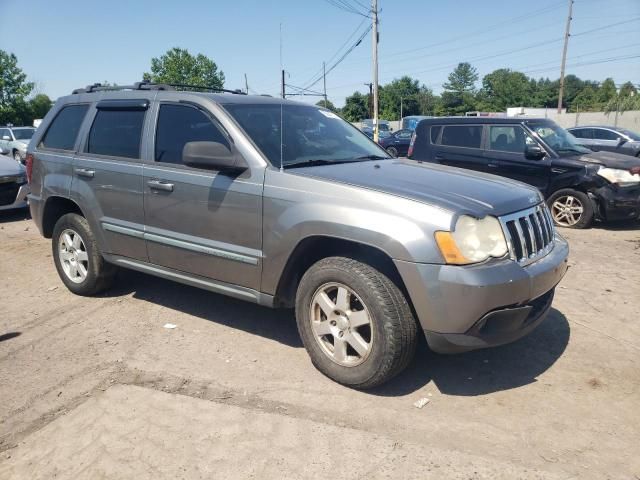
<point>341,333</point>
<point>333,323</point>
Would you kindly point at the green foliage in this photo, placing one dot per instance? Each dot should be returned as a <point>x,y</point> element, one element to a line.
<point>179,66</point>
<point>405,89</point>
<point>328,105</point>
<point>40,105</point>
<point>505,88</point>
<point>607,91</point>
<point>462,80</point>
<point>356,107</point>
<point>14,88</point>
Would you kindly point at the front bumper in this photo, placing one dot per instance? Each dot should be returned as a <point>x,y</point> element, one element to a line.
<point>618,203</point>
<point>20,199</point>
<point>467,307</point>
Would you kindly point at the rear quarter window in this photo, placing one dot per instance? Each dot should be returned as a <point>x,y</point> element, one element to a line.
<point>63,131</point>
<point>468,136</point>
<point>435,131</point>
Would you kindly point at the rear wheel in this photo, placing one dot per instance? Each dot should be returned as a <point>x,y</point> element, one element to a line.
<point>17,156</point>
<point>77,257</point>
<point>354,322</point>
<point>571,208</point>
<point>393,151</point>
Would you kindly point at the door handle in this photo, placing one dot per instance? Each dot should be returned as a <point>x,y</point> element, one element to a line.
<point>492,165</point>
<point>439,157</point>
<point>85,172</point>
<point>160,185</point>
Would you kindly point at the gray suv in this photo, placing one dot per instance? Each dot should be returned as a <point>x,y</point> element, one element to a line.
<point>287,205</point>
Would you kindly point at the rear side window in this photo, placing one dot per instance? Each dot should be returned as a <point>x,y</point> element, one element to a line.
<point>64,128</point>
<point>435,131</point>
<point>469,136</point>
<point>582,133</point>
<point>180,124</point>
<point>116,133</point>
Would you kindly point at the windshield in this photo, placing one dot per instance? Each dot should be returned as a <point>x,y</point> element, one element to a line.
<point>309,134</point>
<point>632,135</point>
<point>557,138</point>
<point>23,133</point>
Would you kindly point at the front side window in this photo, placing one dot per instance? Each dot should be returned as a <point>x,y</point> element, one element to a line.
<point>508,138</point>
<point>435,131</point>
<point>180,124</point>
<point>64,128</point>
<point>301,134</point>
<point>557,138</point>
<point>602,134</point>
<point>469,136</point>
<point>4,132</point>
<point>116,133</point>
<point>404,134</point>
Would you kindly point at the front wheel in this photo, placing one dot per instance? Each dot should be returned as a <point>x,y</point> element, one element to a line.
<point>17,156</point>
<point>393,151</point>
<point>77,257</point>
<point>354,322</point>
<point>571,208</point>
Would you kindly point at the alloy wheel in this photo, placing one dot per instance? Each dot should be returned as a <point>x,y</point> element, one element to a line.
<point>341,324</point>
<point>567,210</point>
<point>73,256</point>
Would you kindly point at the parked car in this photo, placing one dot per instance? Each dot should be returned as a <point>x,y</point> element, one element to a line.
<point>13,184</point>
<point>578,184</point>
<point>397,144</point>
<point>226,192</point>
<point>611,139</point>
<point>14,141</point>
<point>383,126</point>
<point>412,121</point>
<point>381,133</point>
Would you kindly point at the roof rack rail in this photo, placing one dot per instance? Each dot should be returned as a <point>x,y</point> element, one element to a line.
<point>237,91</point>
<point>147,85</point>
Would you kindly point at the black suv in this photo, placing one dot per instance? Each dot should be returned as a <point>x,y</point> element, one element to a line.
<point>579,185</point>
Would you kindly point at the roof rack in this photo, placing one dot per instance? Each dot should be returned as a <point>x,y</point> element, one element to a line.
<point>147,85</point>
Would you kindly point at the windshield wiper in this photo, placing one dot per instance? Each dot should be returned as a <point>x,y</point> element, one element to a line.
<point>315,163</point>
<point>371,157</point>
<point>570,150</point>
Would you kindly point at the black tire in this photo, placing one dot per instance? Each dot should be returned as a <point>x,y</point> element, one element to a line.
<point>393,327</point>
<point>393,151</point>
<point>17,156</point>
<point>586,218</point>
<point>99,273</point>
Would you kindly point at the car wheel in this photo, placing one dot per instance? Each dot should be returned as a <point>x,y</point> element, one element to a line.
<point>17,156</point>
<point>571,209</point>
<point>392,151</point>
<point>77,257</point>
<point>354,322</point>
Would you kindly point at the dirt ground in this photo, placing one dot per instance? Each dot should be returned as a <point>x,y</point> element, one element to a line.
<point>97,388</point>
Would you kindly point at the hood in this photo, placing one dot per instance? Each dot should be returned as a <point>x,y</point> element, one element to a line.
<point>9,167</point>
<point>454,189</point>
<point>611,160</point>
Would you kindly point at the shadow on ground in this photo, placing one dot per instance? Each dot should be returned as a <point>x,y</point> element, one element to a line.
<point>15,215</point>
<point>9,336</point>
<point>474,373</point>
<point>623,225</point>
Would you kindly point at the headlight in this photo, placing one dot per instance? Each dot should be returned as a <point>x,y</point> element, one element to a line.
<point>472,240</point>
<point>621,177</point>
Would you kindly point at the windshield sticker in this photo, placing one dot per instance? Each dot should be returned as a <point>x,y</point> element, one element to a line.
<point>329,114</point>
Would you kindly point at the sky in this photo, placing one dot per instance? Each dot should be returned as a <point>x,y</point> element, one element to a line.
<point>69,44</point>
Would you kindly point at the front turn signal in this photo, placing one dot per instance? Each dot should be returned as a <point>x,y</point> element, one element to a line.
<point>450,250</point>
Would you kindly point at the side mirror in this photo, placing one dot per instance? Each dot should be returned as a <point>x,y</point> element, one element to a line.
<point>622,141</point>
<point>534,152</point>
<point>211,155</point>
<point>6,137</point>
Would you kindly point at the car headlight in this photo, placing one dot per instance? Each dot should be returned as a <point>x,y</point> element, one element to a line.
<point>621,177</point>
<point>472,241</point>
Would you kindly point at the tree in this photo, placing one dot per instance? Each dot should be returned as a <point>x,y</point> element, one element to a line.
<point>459,92</point>
<point>328,105</point>
<point>405,89</point>
<point>505,88</point>
<point>356,107</point>
<point>607,91</point>
<point>462,80</point>
<point>180,67</point>
<point>627,90</point>
<point>40,105</point>
<point>13,89</point>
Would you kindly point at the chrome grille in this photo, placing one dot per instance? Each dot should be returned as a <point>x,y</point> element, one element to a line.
<point>529,233</point>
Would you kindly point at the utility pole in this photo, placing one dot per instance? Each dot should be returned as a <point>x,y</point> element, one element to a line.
<point>374,42</point>
<point>246,84</point>
<point>282,85</point>
<point>400,123</point>
<point>564,56</point>
<point>324,80</point>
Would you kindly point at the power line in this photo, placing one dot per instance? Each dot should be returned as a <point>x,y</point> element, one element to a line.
<point>346,6</point>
